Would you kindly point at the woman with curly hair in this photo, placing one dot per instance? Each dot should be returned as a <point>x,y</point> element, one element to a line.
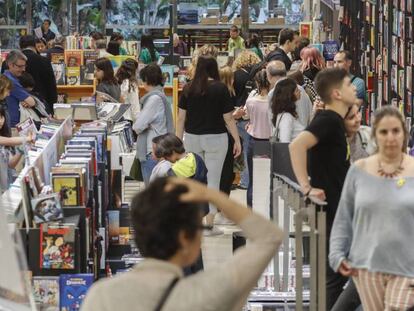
<point>205,50</point>
<point>242,66</point>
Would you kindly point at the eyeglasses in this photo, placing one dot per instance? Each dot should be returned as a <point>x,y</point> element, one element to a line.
<point>20,66</point>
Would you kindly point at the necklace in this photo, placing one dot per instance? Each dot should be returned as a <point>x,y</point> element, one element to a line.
<point>393,174</point>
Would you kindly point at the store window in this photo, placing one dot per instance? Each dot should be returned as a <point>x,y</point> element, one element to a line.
<point>58,11</point>
<point>89,16</point>
<point>13,12</point>
<point>294,11</point>
<point>9,38</point>
<point>130,16</point>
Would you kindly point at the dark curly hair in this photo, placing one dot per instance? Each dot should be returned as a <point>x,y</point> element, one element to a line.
<point>283,99</point>
<point>158,217</point>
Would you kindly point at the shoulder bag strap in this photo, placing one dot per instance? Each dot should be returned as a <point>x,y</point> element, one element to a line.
<point>166,294</point>
<point>277,127</point>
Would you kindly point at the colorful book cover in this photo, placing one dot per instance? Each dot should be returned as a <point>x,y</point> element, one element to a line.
<point>69,188</point>
<point>113,224</point>
<point>46,292</point>
<point>57,58</point>
<point>168,74</point>
<point>46,208</point>
<point>88,67</point>
<point>73,289</point>
<point>59,72</point>
<point>57,246</point>
<point>26,127</point>
<point>305,29</point>
<point>73,75</point>
<point>117,61</point>
<point>74,58</point>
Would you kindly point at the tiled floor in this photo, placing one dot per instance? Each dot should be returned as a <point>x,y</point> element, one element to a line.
<point>217,249</point>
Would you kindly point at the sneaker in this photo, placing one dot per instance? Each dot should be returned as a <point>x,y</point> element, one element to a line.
<point>213,232</point>
<point>220,219</point>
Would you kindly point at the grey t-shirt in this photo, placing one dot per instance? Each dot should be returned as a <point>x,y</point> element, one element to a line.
<point>373,227</point>
<point>112,90</point>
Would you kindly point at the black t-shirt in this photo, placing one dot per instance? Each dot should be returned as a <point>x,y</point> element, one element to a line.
<point>241,76</point>
<point>279,54</point>
<point>329,159</point>
<point>205,113</point>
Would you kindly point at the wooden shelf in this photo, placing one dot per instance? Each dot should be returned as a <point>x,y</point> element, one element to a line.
<point>71,87</point>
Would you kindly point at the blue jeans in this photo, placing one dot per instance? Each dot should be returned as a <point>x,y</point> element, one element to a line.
<point>244,176</point>
<point>146,167</point>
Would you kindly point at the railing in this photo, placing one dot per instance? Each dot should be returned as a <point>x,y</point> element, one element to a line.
<point>309,211</point>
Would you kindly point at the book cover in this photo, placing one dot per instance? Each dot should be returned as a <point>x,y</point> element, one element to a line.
<point>305,29</point>
<point>69,188</point>
<point>57,246</point>
<point>59,70</point>
<point>73,289</point>
<point>46,208</point>
<point>26,127</point>
<point>113,224</point>
<point>46,292</point>
<point>57,58</point>
<point>168,74</point>
<point>74,58</point>
<point>88,67</point>
<point>73,75</point>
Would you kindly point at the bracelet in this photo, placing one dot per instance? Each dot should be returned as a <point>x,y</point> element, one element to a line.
<point>307,193</point>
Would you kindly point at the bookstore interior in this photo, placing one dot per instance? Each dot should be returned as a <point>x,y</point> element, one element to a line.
<point>75,84</point>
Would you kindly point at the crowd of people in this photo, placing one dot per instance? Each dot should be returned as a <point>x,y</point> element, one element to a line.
<point>284,95</point>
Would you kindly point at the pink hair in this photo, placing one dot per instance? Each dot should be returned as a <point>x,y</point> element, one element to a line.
<point>311,58</point>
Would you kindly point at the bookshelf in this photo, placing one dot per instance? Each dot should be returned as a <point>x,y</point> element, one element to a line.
<point>75,92</point>
<point>386,47</point>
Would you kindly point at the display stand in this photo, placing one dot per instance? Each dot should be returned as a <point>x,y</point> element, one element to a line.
<point>289,211</point>
<point>12,200</point>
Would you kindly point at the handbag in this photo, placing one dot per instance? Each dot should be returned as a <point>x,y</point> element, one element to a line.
<point>166,294</point>
<point>136,172</point>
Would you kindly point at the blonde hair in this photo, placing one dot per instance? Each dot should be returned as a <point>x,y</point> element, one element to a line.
<point>5,85</point>
<point>205,50</point>
<point>227,77</point>
<point>245,59</point>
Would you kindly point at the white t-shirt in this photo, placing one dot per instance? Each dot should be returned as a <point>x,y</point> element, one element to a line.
<point>130,97</point>
<point>288,127</point>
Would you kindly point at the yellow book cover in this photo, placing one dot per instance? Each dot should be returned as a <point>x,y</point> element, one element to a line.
<point>73,75</point>
<point>69,187</point>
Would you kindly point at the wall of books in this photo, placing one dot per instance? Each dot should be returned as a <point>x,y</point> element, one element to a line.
<point>387,48</point>
<point>74,224</point>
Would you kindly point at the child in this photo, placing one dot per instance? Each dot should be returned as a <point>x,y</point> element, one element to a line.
<point>183,164</point>
<point>38,112</point>
<point>235,41</point>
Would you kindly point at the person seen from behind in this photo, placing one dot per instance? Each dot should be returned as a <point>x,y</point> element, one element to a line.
<point>168,224</point>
